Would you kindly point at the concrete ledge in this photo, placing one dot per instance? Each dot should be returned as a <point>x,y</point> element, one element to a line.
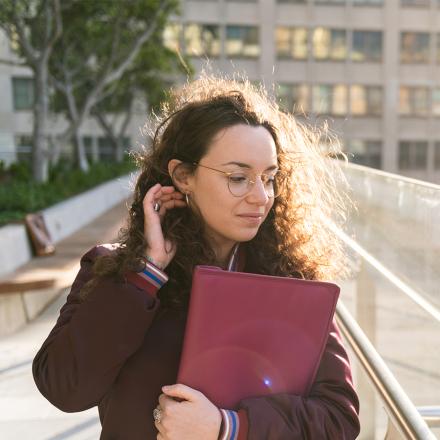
<point>62,220</point>
<point>67,217</point>
<point>15,248</point>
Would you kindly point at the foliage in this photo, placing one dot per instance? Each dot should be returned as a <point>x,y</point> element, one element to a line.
<point>19,195</point>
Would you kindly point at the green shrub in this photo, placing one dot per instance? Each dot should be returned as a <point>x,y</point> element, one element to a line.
<point>19,195</point>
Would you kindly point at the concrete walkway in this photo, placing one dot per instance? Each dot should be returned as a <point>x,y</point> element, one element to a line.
<point>24,413</point>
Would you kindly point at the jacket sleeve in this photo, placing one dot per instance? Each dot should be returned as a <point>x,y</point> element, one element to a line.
<point>330,411</point>
<point>91,340</point>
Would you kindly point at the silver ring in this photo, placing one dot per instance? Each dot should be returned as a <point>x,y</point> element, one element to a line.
<point>157,415</point>
<point>156,207</point>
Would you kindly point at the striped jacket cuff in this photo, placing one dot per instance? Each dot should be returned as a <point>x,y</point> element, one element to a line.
<point>150,279</point>
<point>234,425</point>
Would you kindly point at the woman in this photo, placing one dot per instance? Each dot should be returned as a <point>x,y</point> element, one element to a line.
<point>231,181</point>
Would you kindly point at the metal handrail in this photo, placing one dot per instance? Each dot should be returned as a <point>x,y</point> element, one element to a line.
<point>393,279</point>
<point>431,415</point>
<point>398,405</point>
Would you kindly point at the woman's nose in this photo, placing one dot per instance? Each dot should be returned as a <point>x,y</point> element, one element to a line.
<point>258,193</point>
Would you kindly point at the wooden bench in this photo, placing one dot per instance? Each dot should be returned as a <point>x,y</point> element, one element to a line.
<point>58,271</point>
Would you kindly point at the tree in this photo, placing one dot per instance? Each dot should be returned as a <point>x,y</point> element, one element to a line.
<point>147,79</point>
<point>35,26</point>
<point>100,43</point>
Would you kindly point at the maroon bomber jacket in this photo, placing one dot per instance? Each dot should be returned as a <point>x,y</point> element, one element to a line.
<point>117,349</point>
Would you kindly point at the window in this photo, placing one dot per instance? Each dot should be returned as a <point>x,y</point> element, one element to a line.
<point>23,147</point>
<point>106,149</point>
<point>438,48</point>
<point>171,36</point>
<point>294,98</point>
<point>242,41</point>
<point>365,100</point>
<point>88,146</point>
<point>291,42</point>
<point>413,155</point>
<point>437,155</point>
<point>23,93</point>
<point>414,47</point>
<point>329,44</point>
<point>367,46</point>
<point>329,99</point>
<point>436,101</point>
<point>414,2</point>
<point>202,39</point>
<point>330,2</point>
<point>292,1</point>
<point>365,152</point>
<point>368,2</point>
<point>414,101</point>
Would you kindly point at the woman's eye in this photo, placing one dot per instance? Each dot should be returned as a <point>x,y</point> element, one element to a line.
<point>237,179</point>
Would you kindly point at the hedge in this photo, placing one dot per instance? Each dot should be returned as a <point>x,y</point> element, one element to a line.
<point>19,195</point>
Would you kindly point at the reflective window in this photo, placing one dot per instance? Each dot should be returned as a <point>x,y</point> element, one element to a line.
<point>242,41</point>
<point>367,46</point>
<point>294,98</point>
<point>329,99</point>
<point>202,39</point>
<point>23,147</point>
<point>365,152</point>
<point>436,101</point>
<point>437,156</point>
<point>414,2</point>
<point>368,2</point>
<point>414,101</point>
<point>413,155</point>
<point>291,42</point>
<point>329,44</point>
<point>414,47</point>
<point>365,100</point>
<point>23,93</point>
<point>438,48</point>
<point>331,2</point>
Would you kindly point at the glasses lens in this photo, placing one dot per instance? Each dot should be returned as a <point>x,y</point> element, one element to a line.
<point>238,184</point>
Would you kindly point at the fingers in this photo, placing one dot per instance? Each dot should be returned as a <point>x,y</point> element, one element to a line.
<point>167,196</point>
<point>170,204</point>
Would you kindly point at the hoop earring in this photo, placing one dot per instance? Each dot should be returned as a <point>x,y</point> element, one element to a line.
<point>187,198</point>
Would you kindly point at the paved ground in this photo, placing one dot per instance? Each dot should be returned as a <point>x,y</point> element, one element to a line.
<point>24,413</point>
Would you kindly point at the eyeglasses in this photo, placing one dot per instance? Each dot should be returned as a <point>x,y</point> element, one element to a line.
<point>241,182</point>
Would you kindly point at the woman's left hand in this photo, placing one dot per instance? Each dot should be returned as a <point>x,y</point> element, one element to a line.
<point>194,418</point>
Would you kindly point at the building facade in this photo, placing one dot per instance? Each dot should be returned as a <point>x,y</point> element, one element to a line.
<point>16,118</point>
<point>369,67</point>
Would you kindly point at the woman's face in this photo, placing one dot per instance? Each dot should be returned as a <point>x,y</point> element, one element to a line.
<point>228,218</point>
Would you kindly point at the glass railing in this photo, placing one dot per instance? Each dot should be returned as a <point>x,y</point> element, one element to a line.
<point>395,296</point>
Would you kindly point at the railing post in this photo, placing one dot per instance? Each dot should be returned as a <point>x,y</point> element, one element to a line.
<point>366,317</point>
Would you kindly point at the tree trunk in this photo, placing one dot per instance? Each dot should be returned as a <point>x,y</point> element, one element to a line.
<point>40,171</point>
<point>80,152</point>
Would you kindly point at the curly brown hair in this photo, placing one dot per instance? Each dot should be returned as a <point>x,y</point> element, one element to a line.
<point>293,241</point>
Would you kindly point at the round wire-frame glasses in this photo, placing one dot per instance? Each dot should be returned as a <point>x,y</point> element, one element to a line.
<point>241,182</point>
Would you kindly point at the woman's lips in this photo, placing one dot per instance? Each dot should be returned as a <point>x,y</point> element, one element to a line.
<point>251,219</point>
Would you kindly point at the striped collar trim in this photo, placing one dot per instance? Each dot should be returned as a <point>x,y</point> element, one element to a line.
<point>233,260</point>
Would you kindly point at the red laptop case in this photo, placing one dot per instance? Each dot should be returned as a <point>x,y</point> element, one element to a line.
<point>251,335</point>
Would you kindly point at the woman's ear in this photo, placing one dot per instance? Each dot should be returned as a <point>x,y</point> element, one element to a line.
<point>180,175</point>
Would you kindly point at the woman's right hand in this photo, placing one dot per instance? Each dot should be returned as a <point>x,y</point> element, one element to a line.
<point>159,249</point>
